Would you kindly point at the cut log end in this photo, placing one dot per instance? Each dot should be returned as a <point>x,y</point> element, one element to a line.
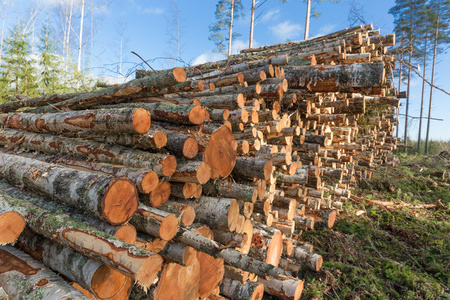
<point>11,226</point>
<point>220,153</point>
<point>188,216</point>
<point>169,165</point>
<point>148,273</point>
<point>190,148</point>
<point>120,201</point>
<point>126,233</point>
<point>189,255</point>
<point>141,120</point>
<point>168,228</point>
<point>203,173</point>
<point>149,182</point>
<point>160,139</point>
<point>258,293</point>
<point>197,115</point>
<point>179,74</point>
<point>107,282</point>
<point>332,219</point>
<point>275,249</point>
<point>267,170</point>
<point>160,195</point>
<point>233,215</point>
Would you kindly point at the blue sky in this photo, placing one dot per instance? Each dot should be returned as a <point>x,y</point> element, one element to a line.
<point>146,28</point>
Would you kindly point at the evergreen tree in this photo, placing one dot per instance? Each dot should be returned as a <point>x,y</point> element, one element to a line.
<point>49,64</point>
<point>18,72</point>
<point>226,12</point>
<point>408,20</point>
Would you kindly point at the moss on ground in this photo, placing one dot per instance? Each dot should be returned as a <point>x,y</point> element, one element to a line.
<point>382,254</point>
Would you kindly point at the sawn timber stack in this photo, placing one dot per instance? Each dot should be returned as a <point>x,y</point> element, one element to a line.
<point>195,182</point>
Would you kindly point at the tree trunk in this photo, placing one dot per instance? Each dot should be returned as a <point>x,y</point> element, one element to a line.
<point>155,222</point>
<point>231,190</point>
<point>100,279</point>
<point>363,78</point>
<point>80,37</point>
<point>131,120</point>
<point>218,213</point>
<point>113,200</point>
<point>161,164</point>
<point>241,291</point>
<point>126,232</point>
<point>192,171</point>
<point>20,273</point>
<point>289,289</point>
<point>436,37</point>
<point>158,80</point>
<point>253,168</point>
<point>308,17</point>
<point>142,265</point>
<point>231,27</point>
<point>252,24</point>
<point>423,92</point>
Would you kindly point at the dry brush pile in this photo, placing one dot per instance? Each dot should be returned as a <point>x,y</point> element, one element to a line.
<point>196,182</point>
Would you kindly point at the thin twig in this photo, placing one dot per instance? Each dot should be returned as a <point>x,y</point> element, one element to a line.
<point>143,60</point>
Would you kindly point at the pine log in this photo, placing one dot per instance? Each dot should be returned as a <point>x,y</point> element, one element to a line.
<point>155,222</point>
<point>298,178</point>
<point>20,273</point>
<point>224,101</point>
<point>111,199</point>
<point>220,152</point>
<point>131,120</point>
<point>183,190</point>
<point>179,253</point>
<point>161,164</point>
<point>101,280</point>
<point>181,144</point>
<point>231,190</point>
<point>217,213</point>
<point>145,180</point>
<point>192,171</point>
<point>289,289</point>
<point>253,168</point>
<point>184,212</point>
<point>126,232</point>
<point>241,291</point>
<point>157,80</point>
<point>362,78</point>
<point>267,244</point>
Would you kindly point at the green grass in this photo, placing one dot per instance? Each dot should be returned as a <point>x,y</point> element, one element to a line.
<point>400,254</point>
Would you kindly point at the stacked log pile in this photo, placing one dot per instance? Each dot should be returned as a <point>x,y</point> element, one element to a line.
<point>196,182</point>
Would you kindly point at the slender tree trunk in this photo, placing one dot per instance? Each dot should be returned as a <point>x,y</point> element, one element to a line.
<point>80,39</point>
<point>3,30</point>
<point>252,24</point>
<point>432,75</point>
<point>92,35</point>
<point>409,81</point>
<point>399,85</point>
<point>308,15</point>
<point>423,93</point>
<point>231,28</point>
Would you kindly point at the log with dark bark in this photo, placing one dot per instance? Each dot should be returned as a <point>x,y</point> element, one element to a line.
<point>125,232</point>
<point>131,120</point>
<point>365,78</point>
<point>114,200</point>
<point>192,171</point>
<point>155,222</point>
<point>231,190</point>
<point>157,80</point>
<point>103,281</point>
<point>184,212</point>
<point>253,168</point>
<point>241,291</point>
<point>142,265</point>
<point>20,273</point>
<point>220,213</point>
<point>161,164</point>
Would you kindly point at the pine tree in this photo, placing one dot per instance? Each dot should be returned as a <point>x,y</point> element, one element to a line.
<point>226,12</point>
<point>440,20</point>
<point>408,20</point>
<point>49,64</point>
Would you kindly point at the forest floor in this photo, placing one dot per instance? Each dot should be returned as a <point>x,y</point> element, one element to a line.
<point>386,252</point>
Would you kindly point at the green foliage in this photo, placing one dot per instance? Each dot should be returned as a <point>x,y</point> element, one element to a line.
<point>219,30</point>
<point>17,69</point>
<point>49,64</point>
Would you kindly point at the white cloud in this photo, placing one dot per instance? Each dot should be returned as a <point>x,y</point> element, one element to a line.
<point>286,30</point>
<point>153,11</point>
<point>207,57</point>
<point>271,15</point>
